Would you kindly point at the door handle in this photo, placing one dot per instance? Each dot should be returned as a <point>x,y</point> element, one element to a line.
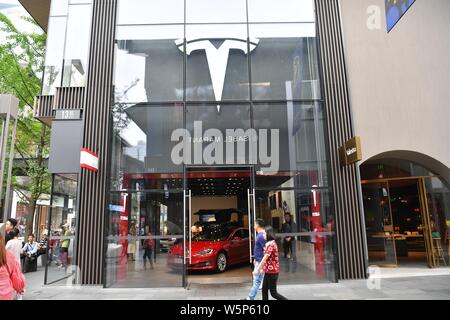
<point>190,223</point>
<point>249,212</point>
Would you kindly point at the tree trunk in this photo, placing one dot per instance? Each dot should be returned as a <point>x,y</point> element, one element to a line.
<point>30,220</point>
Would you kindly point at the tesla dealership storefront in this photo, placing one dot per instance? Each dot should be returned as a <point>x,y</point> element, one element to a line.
<point>198,115</point>
<point>193,136</point>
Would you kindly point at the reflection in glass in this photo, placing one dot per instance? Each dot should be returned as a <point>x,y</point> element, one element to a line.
<point>392,168</point>
<point>141,230</point>
<point>438,197</point>
<point>204,11</point>
<point>302,151</point>
<point>281,11</point>
<point>217,65</point>
<point>379,224</point>
<point>142,144</point>
<point>305,227</point>
<point>150,12</point>
<point>54,55</point>
<point>62,228</point>
<point>284,64</point>
<point>77,46</point>
<point>59,7</point>
<point>149,64</point>
<point>219,136</point>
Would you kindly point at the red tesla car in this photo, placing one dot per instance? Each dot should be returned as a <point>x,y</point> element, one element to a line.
<point>215,248</point>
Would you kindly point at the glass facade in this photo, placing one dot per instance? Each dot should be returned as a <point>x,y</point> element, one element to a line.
<point>62,237</point>
<point>407,213</point>
<point>67,45</point>
<point>215,84</point>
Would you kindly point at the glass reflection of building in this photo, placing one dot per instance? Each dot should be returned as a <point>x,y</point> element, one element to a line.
<point>227,71</point>
<point>244,69</point>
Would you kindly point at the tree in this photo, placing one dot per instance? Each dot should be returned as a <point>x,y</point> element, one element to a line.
<point>21,63</point>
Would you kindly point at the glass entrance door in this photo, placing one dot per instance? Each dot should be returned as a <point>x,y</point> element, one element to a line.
<point>218,225</point>
<point>379,224</point>
<point>428,228</point>
<point>400,223</point>
<point>60,238</point>
<point>145,240</point>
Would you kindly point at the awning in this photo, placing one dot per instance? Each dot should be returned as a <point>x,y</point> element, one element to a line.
<point>39,10</point>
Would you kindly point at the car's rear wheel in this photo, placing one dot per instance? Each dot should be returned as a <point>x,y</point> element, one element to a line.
<point>222,262</point>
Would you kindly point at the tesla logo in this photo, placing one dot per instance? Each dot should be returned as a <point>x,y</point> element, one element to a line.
<point>217,58</point>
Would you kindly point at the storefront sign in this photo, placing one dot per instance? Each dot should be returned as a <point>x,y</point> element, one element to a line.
<point>229,146</point>
<point>350,152</point>
<point>217,57</point>
<point>88,160</point>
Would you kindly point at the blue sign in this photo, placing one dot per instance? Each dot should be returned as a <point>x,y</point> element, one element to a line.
<point>395,9</point>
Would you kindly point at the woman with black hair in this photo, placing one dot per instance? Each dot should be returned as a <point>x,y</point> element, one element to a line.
<point>270,266</point>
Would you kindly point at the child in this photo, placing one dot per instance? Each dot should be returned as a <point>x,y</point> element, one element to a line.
<point>271,267</point>
<point>149,245</point>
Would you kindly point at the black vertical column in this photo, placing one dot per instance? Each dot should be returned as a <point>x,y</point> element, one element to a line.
<point>351,240</point>
<point>97,103</point>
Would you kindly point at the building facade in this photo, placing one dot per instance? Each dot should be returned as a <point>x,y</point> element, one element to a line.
<point>200,114</point>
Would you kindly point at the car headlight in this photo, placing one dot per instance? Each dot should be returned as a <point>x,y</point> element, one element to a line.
<point>204,252</point>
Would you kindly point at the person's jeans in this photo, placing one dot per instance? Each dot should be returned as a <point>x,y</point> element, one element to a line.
<point>257,281</point>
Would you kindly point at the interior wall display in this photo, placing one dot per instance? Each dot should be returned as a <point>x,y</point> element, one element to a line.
<point>395,9</point>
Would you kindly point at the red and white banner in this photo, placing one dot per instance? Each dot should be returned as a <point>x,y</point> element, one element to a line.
<point>88,160</point>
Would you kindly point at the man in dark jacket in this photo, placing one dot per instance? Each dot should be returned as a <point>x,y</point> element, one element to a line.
<point>11,224</point>
<point>288,226</point>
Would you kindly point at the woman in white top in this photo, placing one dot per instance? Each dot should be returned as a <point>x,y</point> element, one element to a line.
<point>15,245</point>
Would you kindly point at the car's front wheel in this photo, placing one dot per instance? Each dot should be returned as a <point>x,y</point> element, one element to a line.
<point>222,262</point>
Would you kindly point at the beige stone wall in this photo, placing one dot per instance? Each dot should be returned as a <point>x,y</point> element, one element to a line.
<point>400,82</point>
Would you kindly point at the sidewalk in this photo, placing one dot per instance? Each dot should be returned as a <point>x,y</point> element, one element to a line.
<point>390,284</point>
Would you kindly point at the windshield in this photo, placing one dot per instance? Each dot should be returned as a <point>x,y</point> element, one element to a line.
<point>214,234</point>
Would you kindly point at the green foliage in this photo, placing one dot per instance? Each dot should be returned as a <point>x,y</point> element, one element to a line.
<point>21,64</point>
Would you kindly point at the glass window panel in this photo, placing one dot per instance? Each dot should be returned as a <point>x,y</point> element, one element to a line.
<point>379,224</point>
<point>392,168</point>
<point>149,64</point>
<point>54,55</point>
<point>62,230</point>
<point>284,64</point>
<point>292,153</point>
<point>438,197</point>
<point>281,11</point>
<point>150,12</point>
<point>217,63</point>
<point>145,240</point>
<point>219,134</point>
<point>215,11</point>
<point>304,224</point>
<point>142,146</point>
<point>77,45</point>
<point>59,8</point>
<point>80,1</point>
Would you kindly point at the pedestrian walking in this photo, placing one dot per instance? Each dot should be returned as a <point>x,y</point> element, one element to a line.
<point>270,266</point>
<point>15,246</point>
<point>258,256</point>
<point>10,226</point>
<point>12,281</point>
